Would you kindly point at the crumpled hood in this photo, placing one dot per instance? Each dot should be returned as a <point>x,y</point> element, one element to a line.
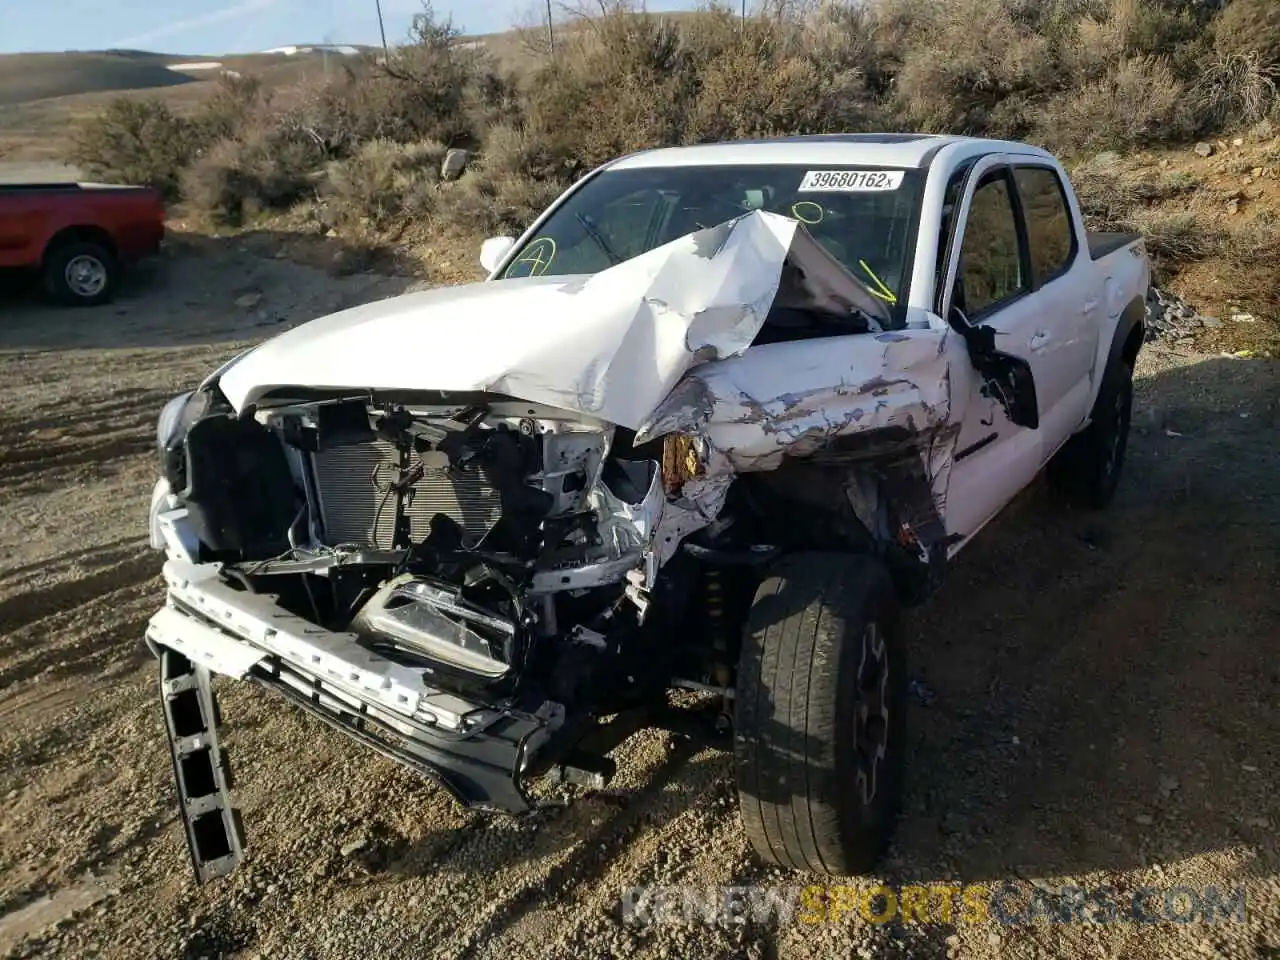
<point>610,345</point>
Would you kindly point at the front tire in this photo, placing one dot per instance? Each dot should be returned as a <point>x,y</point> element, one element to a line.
<point>819,727</point>
<point>81,273</point>
<point>1086,471</point>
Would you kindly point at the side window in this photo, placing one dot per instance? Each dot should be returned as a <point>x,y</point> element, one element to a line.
<point>1050,236</point>
<point>990,257</point>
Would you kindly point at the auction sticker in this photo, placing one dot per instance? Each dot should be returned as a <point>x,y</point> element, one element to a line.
<point>850,181</point>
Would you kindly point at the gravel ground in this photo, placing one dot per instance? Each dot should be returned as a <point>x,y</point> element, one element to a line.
<point>1097,702</point>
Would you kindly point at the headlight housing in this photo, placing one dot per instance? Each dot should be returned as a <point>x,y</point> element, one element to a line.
<point>170,426</point>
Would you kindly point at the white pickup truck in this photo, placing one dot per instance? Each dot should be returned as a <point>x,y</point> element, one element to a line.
<point>711,421</point>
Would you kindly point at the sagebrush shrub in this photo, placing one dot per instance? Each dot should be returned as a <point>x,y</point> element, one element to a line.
<point>1250,27</point>
<point>135,141</point>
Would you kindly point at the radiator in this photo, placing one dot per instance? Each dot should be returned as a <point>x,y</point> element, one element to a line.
<point>352,480</point>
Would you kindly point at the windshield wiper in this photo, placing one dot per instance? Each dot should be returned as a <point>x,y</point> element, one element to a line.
<point>598,237</point>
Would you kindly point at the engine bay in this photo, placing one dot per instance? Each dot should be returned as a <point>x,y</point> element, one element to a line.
<point>449,536</point>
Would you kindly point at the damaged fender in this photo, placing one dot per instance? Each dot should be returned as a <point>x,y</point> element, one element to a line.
<point>832,396</point>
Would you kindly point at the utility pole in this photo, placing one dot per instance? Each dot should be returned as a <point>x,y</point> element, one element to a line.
<point>551,33</point>
<point>386,55</point>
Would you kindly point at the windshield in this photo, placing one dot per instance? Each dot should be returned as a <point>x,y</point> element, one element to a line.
<point>864,217</point>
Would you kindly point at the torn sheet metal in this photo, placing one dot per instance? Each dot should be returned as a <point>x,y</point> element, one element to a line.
<point>610,345</point>
<point>795,399</point>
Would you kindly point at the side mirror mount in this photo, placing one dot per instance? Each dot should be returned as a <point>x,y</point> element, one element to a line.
<point>493,250</point>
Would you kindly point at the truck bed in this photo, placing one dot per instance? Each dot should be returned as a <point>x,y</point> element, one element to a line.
<point>1101,244</point>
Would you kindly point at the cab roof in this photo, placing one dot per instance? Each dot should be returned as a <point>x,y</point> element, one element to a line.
<point>903,150</point>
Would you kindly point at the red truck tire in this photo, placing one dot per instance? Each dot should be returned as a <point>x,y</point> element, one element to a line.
<point>81,273</point>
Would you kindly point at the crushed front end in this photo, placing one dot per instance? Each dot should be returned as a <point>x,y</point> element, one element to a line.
<point>455,583</point>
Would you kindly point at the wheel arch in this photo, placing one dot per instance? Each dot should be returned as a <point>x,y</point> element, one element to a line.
<point>1126,340</point>
<point>1129,333</point>
<point>79,233</point>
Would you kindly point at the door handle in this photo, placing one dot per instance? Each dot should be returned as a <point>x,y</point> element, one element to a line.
<point>1040,340</point>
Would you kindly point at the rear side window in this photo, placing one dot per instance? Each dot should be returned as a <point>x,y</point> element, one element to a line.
<point>990,256</point>
<point>1050,237</point>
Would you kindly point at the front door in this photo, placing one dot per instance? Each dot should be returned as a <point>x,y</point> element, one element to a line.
<point>991,288</point>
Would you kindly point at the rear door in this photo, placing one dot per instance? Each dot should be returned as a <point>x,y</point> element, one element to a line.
<point>1067,292</point>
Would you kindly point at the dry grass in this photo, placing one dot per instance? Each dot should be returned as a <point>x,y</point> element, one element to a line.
<point>1250,28</point>
<point>1236,88</point>
<point>359,148</point>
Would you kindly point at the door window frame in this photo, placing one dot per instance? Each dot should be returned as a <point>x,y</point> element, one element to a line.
<point>990,167</point>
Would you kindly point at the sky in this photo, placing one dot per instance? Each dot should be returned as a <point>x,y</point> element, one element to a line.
<point>243,26</point>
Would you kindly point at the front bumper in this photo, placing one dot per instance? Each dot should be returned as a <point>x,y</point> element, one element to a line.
<point>478,752</point>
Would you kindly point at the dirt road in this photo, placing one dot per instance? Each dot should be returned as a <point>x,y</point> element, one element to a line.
<point>13,171</point>
<point>1098,702</point>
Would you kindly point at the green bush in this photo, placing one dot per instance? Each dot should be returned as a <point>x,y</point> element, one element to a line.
<point>384,183</point>
<point>235,102</point>
<point>137,142</point>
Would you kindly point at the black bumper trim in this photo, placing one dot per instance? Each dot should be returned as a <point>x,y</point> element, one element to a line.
<point>480,770</point>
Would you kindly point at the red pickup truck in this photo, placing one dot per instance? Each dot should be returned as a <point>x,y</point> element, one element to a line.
<point>79,236</point>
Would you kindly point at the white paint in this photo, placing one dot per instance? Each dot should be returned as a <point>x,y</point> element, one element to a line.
<point>202,644</point>
<point>610,345</point>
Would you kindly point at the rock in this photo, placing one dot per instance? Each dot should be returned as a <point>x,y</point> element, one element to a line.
<point>1243,318</point>
<point>1204,149</point>
<point>248,301</point>
<point>1233,206</point>
<point>352,847</point>
<point>1238,142</point>
<point>455,161</point>
<point>1168,785</point>
<point>1262,823</point>
<point>1143,820</point>
<point>1212,323</point>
